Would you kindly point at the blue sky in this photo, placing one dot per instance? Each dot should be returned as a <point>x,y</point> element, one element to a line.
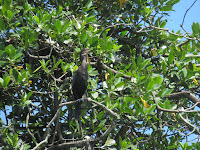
<point>175,19</point>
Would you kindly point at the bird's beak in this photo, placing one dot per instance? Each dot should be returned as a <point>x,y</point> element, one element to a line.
<point>87,51</point>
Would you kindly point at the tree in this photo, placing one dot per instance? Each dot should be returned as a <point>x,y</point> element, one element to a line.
<point>144,79</point>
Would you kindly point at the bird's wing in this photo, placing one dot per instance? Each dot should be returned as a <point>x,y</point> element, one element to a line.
<point>73,79</point>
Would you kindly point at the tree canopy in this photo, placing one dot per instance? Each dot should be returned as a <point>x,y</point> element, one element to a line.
<point>143,88</point>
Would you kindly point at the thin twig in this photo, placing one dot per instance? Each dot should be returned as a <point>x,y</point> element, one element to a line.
<point>41,57</point>
<point>115,71</point>
<point>27,127</point>
<point>187,11</point>
<point>187,122</point>
<point>47,130</point>
<point>144,29</point>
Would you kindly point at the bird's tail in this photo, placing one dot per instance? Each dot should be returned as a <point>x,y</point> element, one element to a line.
<point>77,110</point>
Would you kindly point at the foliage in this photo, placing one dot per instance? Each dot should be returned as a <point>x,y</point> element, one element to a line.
<point>145,76</point>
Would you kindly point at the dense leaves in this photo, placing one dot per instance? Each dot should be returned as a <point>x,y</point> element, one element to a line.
<point>144,78</point>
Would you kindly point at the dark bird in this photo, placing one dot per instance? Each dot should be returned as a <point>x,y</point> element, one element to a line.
<point>79,82</point>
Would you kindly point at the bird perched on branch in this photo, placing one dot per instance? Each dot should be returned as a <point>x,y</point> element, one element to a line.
<point>79,82</point>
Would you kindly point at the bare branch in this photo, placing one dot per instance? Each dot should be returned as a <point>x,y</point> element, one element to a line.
<point>27,127</point>
<point>184,94</point>
<point>80,143</point>
<point>183,43</point>
<point>187,11</point>
<point>144,29</point>
<point>41,57</point>
<point>187,122</point>
<point>47,131</point>
<point>180,35</point>
<point>115,71</point>
<point>180,110</point>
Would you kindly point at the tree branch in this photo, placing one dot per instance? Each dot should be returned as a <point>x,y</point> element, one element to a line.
<point>81,143</point>
<point>47,131</point>
<point>187,122</point>
<point>180,110</point>
<point>184,94</point>
<point>41,57</point>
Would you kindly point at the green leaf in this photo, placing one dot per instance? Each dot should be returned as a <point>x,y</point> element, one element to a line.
<point>9,14</point>
<point>176,1</point>
<point>167,104</point>
<point>95,94</point>
<point>18,55</point>
<point>59,10</point>
<point>27,6</point>
<point>15,74</point>
<point>75,68</point>
<point>68,41</point>
<point>26,146</point>
<point>88,4</point>
<point>163,23</point>
<point>158,80</point>
<point>83,36</point>
<point>164,67</point>
<point>109,142</point>
<point>92,71</point>
<point>146,10</point>
<point>195,28</point>
<point>9,137</point>
<point>57,25</point>
<point>155,2</point>
<point>10,50</point>
<point>154,127</point>
<point>29,95</point>
<point>65,26</point>
<point>151,109</point>
<point>78,25</point>
<point>90,19</point>
<point>172,147</point>
<point>6,81</point>
<point>117,80</point>
<point>1,81</point>
<point>44,64</point>
<point>139,60</point>
<point>150,85</point>
<point>100,115</point>
<point>37,19</point>
<point>15,139</point>
<point>171,57</point>
<point>184,70</point>
<point>27,102</point>
<point>2,24</point>
<point>165,92</point>
<point>145,63</point>
<point>102,123</point>
<point>119,86</point>
<point>37,69</point>
<point>166,8</point>
<point>132,118</point>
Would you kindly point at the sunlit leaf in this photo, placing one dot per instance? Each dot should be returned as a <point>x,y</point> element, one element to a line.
<point>165,92</point>
<point>121,3</point>
<point>107,76</point>
<point>145,103</point>
<point>109,142</point>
